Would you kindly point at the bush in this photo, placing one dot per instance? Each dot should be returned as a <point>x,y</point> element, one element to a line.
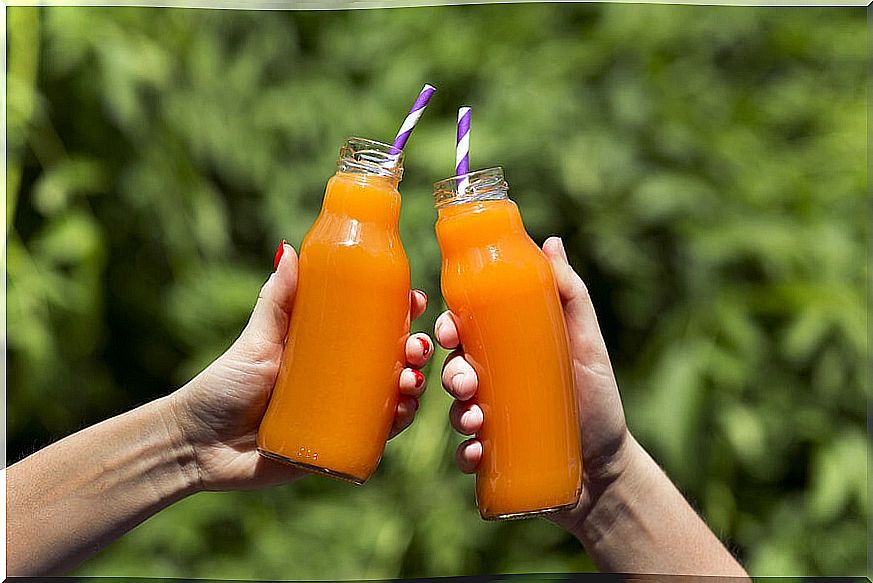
<point>705,166</point>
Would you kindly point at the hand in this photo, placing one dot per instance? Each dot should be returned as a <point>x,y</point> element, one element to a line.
<point>219,411</point>
<point>605,439</point>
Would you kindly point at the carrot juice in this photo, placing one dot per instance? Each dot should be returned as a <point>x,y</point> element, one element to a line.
<point>502,291</point>
<point>336,393</point>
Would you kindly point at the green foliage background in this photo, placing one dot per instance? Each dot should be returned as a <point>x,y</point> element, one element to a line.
<point>705,165</point>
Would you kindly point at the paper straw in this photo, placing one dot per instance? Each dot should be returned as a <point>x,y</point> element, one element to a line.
<point>462,153</point>
<point>412,118</point>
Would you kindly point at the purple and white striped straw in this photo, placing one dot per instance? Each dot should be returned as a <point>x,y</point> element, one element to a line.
<point>462,152</point>
<point>412,118</point>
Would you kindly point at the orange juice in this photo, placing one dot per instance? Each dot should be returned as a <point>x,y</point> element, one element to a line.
<point>500,287</point>
<point>334,400</point>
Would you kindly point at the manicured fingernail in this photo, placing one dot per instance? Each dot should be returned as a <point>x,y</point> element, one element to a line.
<point>279,251</point>
<point>419,378</point>
<point>423,294</point>
<point>456,381</point>
<point>465,418</point>
<point>425,345</point>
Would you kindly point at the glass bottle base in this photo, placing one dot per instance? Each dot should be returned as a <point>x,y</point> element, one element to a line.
<point>527,513</point>
<point>312,469</point>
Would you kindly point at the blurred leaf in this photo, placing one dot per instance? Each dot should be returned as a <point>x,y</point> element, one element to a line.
<point>839,475</point>
<point>745,432</point>
<point>53,191</point>
<point>71,239</point>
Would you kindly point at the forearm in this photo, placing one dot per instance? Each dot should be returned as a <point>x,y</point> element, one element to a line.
<point>67,501</point>
<point>641,523</point>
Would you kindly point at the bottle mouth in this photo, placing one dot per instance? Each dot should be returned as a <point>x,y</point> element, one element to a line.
<point>364,156</point>
<point>487,184</point>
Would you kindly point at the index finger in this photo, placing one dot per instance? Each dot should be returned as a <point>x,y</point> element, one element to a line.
<point>417,303</point>
<point>446,331</point>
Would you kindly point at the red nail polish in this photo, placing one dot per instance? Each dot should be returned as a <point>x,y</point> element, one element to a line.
<point>279,251</point>
<point>419,378</point>
<point>424,294</point>
<point>425,345</point>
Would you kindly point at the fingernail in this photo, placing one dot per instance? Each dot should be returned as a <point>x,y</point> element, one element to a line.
<point>279,251</point>
<point>423,293</point>
<point>425,345</point>
<point>457,379</point>
<point>465,418</point>
<point>419,378</point>
<point>561,246</point>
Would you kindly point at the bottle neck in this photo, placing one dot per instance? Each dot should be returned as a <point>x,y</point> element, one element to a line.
<point>365,198</point>
<point>360,156</point>
<point>474,210</point>
<point>481,185</point>
<point>478,223</point>
<point>364,188</point>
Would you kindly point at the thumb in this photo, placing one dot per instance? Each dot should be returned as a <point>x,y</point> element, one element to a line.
<point>269,321</point>
<point>586,339</point>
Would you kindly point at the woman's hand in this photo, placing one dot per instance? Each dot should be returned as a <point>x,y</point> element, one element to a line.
<point>219,411</point>
<point>70,499</point>
<point>629,517</point>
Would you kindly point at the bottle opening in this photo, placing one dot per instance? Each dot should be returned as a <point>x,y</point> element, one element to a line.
<point>363,156</point>
<point>487,184</point>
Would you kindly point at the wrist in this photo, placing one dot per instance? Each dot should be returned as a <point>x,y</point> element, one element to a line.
<point>616,498</point>
<point>180,451</point>
<point>638,522</point>
<point>609,484</point>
